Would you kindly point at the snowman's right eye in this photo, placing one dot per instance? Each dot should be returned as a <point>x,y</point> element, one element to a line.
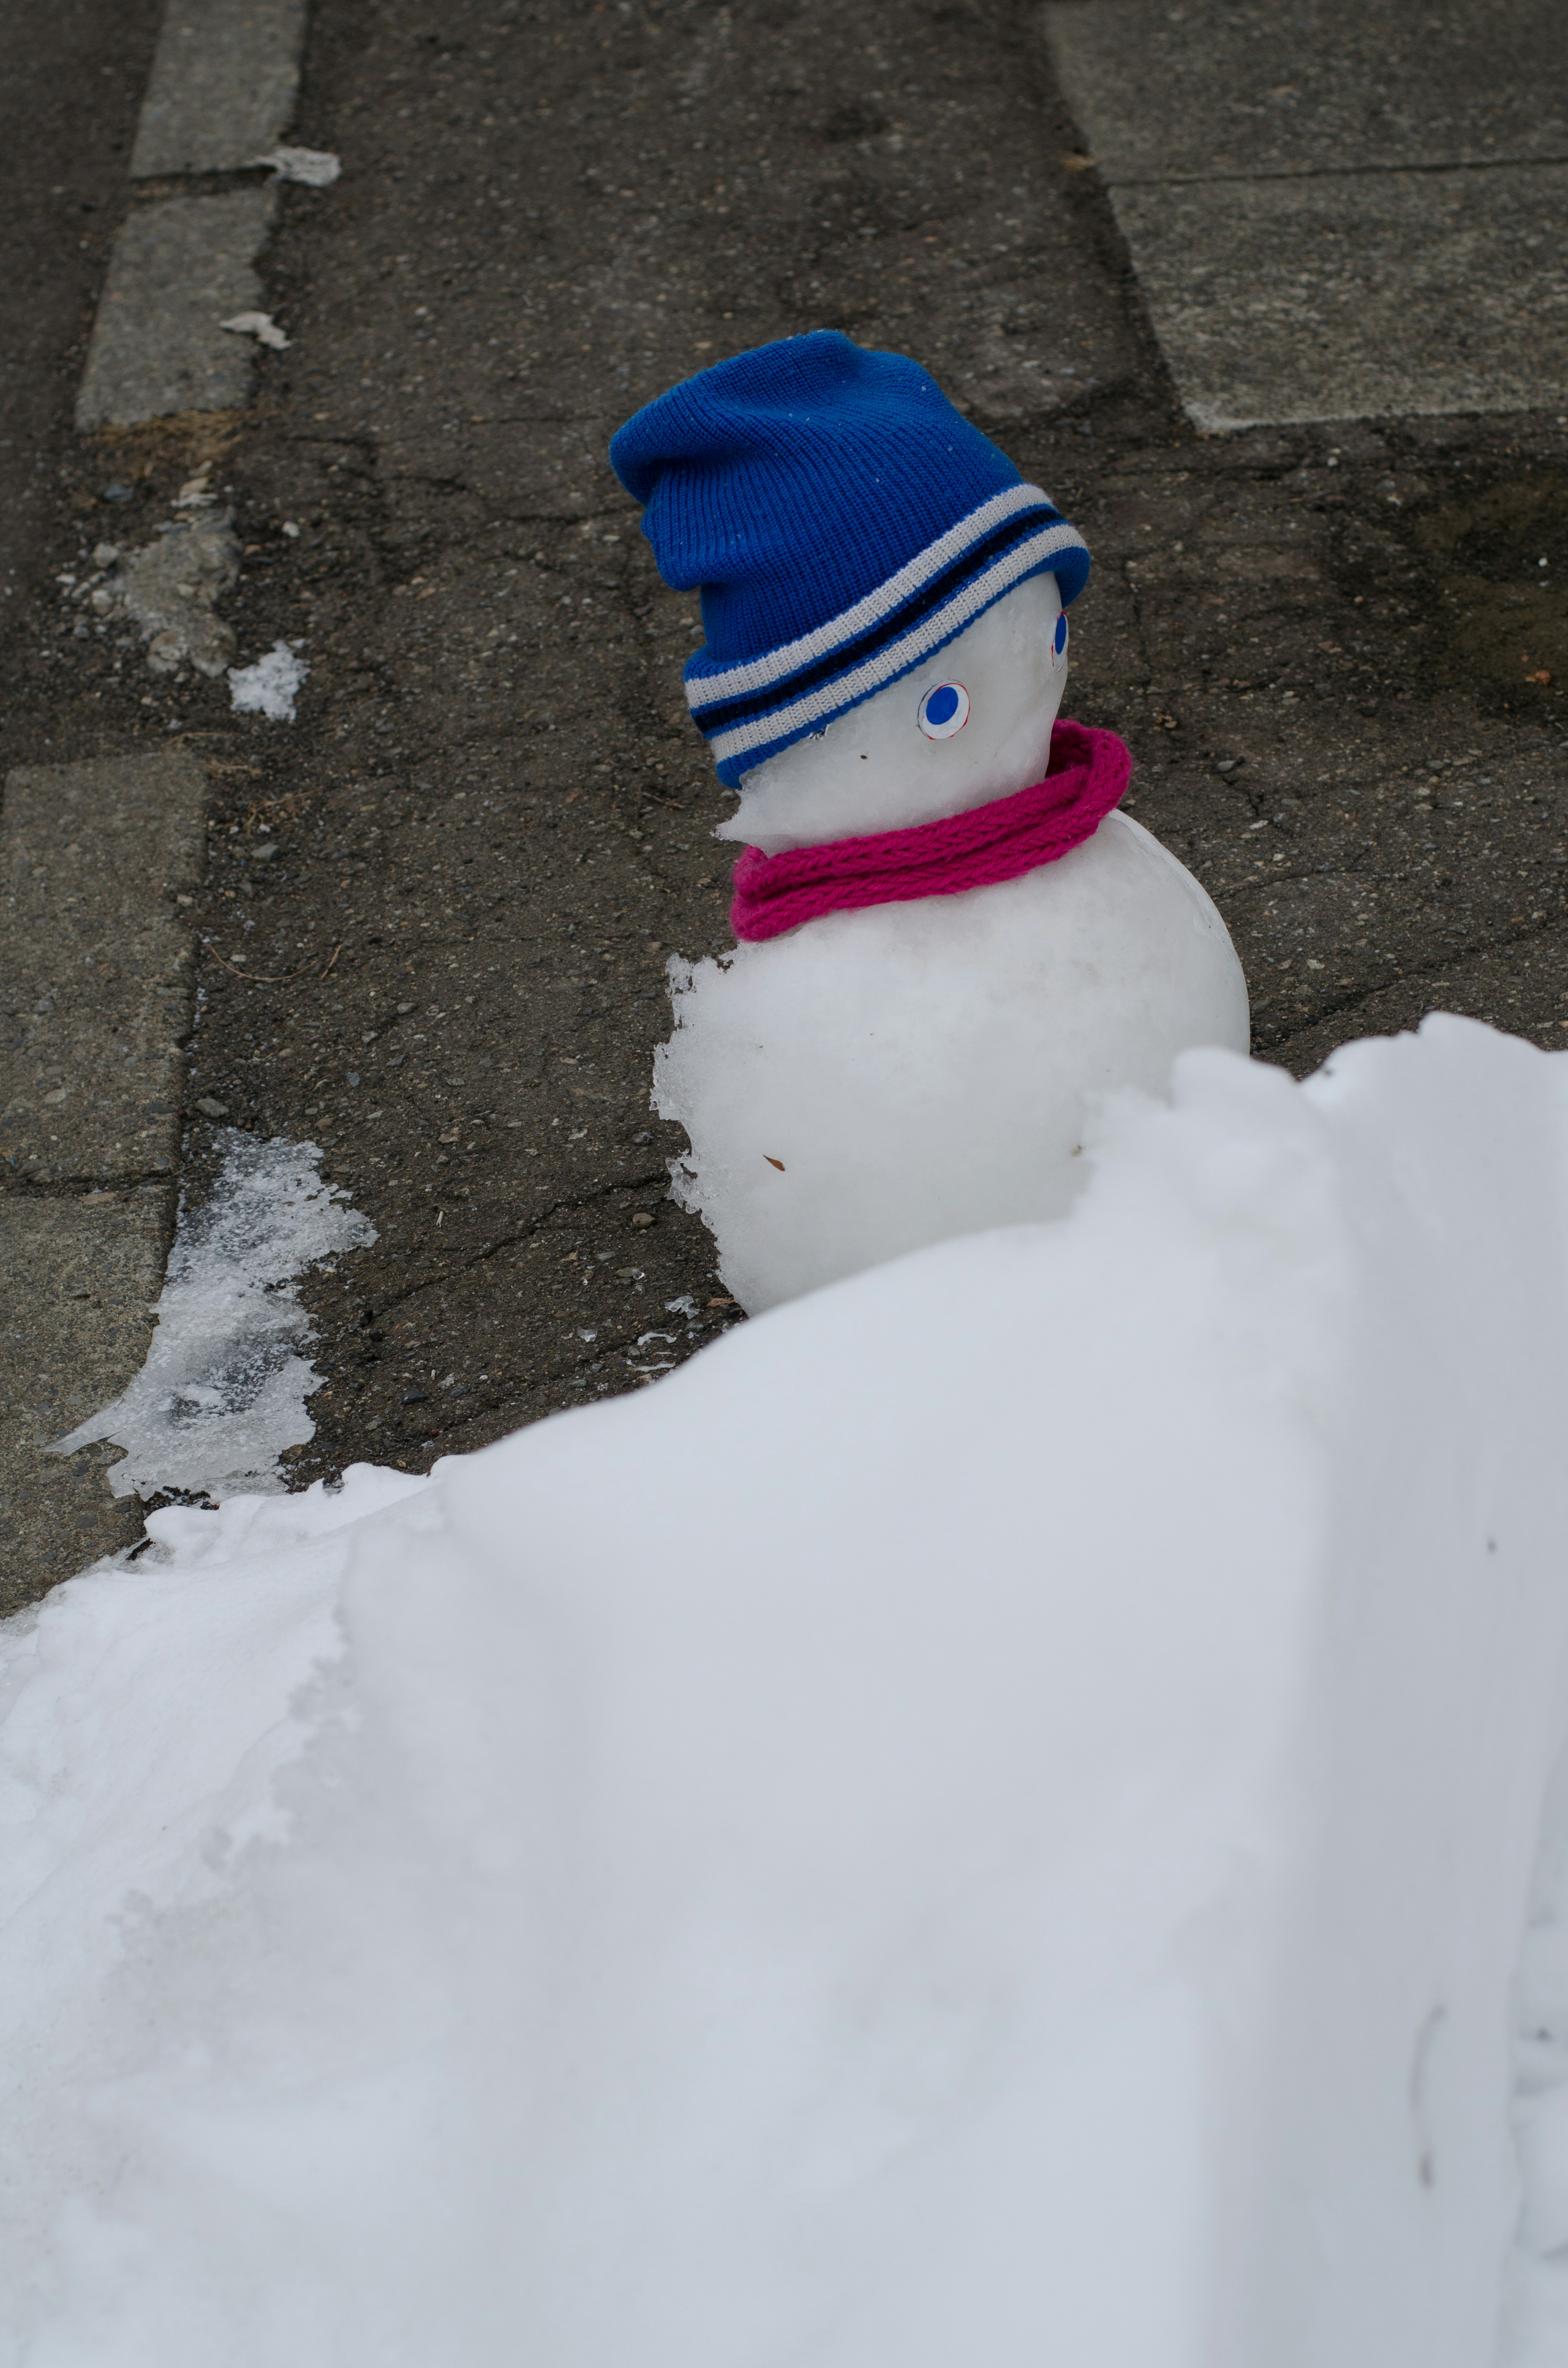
<point>944,710</point>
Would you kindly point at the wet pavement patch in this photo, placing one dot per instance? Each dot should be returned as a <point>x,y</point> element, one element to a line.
<point>1498,557</point>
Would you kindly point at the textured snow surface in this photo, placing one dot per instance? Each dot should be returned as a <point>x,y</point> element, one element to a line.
<point>988,1818</point>
<point>224,1390</point>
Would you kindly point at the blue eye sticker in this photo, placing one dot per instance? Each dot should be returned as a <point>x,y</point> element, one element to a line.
<point>944,710</point>
<point>1059,642</point>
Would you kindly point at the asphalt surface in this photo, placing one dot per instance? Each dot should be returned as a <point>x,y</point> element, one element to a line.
<point>440,903</point>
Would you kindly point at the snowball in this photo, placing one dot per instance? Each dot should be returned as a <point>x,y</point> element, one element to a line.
<point>269,687</point>
<point>989,1816</point>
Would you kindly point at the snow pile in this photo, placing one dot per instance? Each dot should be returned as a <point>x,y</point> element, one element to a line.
<point>988,1817</point>
<point>271,685</point>
<point>224,1390</point>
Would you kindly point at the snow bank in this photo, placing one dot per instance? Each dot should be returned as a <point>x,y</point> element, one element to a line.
<point>989,1816</point>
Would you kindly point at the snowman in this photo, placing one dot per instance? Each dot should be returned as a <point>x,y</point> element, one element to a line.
<point>949,942</point>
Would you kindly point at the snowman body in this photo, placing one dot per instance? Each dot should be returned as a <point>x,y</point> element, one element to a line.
<point>883,1079</point>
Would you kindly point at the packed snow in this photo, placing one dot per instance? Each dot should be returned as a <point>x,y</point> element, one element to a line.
<point>316,168</point>
<point>271,685</point>
<point>224,1390</point>
<point>991,1815</point>
<point>890,1077</point>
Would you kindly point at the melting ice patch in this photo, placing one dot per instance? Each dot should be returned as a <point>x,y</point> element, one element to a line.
<point>271,685</point>
<point>224,1390</point>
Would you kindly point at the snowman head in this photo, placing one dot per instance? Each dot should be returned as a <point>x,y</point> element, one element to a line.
<point>973,723</point>
<point>859,546</point>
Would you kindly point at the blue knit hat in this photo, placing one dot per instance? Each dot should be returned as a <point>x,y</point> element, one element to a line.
<point>842,520</point>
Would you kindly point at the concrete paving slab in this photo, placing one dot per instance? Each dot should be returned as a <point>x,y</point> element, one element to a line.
<point>1357,295</point>
<point>96,986</point>
<point>181,267</point>
<point>223,85</point>
<point>1169,93</point>
<point>1343,210</point>
<point>77,1273</point>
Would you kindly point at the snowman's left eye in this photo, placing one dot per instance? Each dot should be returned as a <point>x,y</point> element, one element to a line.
<point>944,710</point>
<point>1059,642</point>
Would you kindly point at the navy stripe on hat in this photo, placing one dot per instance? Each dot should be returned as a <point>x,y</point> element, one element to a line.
<point>842,520</point>
<point>750,712</point>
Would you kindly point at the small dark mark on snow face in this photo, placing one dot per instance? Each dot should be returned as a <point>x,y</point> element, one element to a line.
<point>774,1162</point>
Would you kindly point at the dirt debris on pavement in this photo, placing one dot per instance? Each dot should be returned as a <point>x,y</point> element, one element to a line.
<point>439,902</point>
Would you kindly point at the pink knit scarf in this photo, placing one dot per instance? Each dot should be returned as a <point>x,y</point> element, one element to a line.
<point>1087,774</point>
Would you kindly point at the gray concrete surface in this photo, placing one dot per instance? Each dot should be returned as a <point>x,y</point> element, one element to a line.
<point>181,267</point>
<point>223,85</point>
<point>1247,87</point>
<point>77,1276</point>
<point>96,984</point>
<point>1343,209</point>
<point>1357,295</point>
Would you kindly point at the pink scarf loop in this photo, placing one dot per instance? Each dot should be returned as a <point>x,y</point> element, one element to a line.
<point>1087,775</point>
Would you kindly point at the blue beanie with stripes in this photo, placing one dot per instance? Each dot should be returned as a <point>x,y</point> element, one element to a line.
<point>842,521</point>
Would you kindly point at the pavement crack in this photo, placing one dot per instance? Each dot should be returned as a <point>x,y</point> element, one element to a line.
<point>1332,172</point>
<point>1410,973</point>
<point>79,1188</point>
<point>564,1206</point>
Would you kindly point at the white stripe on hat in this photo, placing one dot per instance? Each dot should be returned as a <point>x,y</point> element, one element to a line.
<point>831,698</point>
<point>754,674</point>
